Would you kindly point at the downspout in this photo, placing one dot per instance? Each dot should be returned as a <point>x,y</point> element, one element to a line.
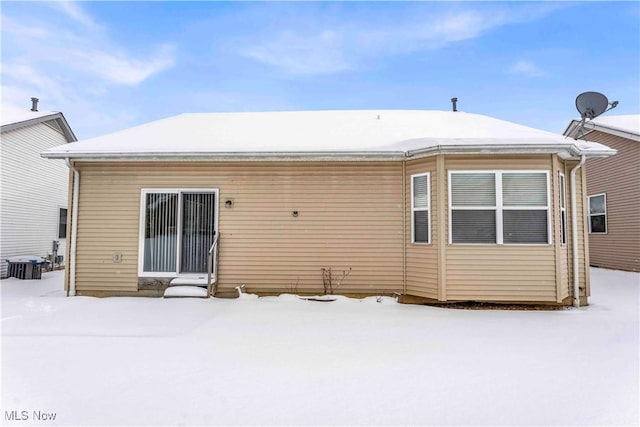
<point>74,228</point>
<point>574,233</point>
<point>404,227</point>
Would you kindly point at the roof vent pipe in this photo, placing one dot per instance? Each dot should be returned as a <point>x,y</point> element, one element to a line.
<point>454,101</point>
<point>34,104</point>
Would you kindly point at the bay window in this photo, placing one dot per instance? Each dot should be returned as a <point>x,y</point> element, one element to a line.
<point>499,207</point>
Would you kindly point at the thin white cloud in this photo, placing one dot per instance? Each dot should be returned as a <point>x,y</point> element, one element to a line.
<point>75,12</point>
<point>11,26</point>
<point>302,46</point>
<point>31,80</point>
<point>305,55</point>
<point>76,51</point>
<point>527,69</point>
<point>59,53</point>
<point>121,68</point>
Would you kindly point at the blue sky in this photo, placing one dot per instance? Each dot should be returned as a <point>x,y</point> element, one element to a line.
<point>112,65</point>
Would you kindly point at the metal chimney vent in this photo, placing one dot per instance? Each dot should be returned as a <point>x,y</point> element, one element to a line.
<point>34,104</point>
<point>454,101</point>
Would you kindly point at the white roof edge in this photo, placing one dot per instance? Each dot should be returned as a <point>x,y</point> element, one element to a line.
<point>26,121</point>
<point>572,151</point>
<point>230,156</point>
<point>567,151</point>
<point>66,129</point>
<point>572,129</point>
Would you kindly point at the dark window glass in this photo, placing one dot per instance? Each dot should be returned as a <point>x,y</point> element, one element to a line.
<point>62,224</point>
<point>524,226</point>
<point>421,226</point>
<point>598,224</point>
<point>473,226</point>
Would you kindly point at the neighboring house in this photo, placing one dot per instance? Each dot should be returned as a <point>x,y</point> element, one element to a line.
<point>613,190</point>
<point>34,191</point>
<point>444,206</point>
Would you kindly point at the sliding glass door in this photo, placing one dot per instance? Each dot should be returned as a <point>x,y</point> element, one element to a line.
<point>198,230</point>
<point>178,228</point>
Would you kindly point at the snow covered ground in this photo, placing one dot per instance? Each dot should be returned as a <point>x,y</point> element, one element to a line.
<point>282,360</point>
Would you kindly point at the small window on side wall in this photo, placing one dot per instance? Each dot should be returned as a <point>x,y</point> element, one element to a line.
<point>562,193</point>
<point>62,224</point>
<point>598,213</point>
<point>420,218</point>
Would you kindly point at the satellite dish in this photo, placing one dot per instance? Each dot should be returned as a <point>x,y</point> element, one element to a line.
<point>591,104</point>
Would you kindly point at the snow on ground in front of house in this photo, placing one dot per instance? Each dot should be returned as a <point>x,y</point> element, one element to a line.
<point>283,360</point>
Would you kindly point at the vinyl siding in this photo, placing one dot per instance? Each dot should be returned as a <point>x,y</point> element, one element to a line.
<point>619,177</point>
<point>422,259</point>
<point>33,190</point>
<point>350,216</point>
<point>500,272</point>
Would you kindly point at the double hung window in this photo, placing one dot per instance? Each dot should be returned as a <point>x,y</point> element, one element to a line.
<point>598,213</point>
<point>499,207</point>
<point>420,204</point>
<point>562,193</point>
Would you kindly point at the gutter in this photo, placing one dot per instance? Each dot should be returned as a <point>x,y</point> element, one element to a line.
<point>563,150</point>
<point>233,156</point>
<point>71,291</point>
<point>574,233</point>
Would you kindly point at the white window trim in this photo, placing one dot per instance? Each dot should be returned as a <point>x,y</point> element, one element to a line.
<point>589,214</point>
<point>414,209</point>
<point>67,230</point>
<point>143,193</point>
<point>499,208</point>
<point>562,200</point>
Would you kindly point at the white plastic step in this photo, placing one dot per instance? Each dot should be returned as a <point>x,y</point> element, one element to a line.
<point>185,292</point>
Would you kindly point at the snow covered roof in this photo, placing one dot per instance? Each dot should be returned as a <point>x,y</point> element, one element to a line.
<point>626,126</point>
<point>319,134</point>
<point>14,118</point>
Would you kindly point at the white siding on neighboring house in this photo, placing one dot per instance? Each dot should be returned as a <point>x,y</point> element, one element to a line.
<point>33,190</point>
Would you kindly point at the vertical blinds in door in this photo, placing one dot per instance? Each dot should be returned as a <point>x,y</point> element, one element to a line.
<point>197,231</point>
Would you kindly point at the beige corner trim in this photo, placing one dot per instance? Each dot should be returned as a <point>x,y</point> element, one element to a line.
<point>442,229</point>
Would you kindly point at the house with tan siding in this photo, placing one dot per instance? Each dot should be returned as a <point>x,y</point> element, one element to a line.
<point>34,191</point>
<point>613,191</point>
<point>434,206</point>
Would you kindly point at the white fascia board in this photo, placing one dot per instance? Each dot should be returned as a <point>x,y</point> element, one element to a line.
<point>59,117</point>
<point>564,151</point>
<point>29,122</point>
<point>572,130</point>
<point>616,131</point>
<point>250,156</point>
